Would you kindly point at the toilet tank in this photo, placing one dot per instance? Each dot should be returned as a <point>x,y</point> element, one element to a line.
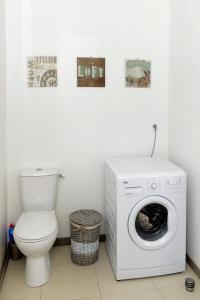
<point>38,188</point>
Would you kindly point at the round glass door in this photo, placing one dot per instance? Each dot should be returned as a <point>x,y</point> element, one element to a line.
<point>153,222</point>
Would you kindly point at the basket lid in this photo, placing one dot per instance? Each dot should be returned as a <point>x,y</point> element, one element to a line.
<point>86,217</point>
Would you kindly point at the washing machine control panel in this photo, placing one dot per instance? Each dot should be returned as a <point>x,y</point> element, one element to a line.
<point>165,184</point>
<point>153,185</point>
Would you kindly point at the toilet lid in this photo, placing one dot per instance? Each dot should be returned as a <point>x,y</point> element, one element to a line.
<point>35,225</point>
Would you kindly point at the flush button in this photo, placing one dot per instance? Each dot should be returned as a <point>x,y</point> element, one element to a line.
<point>154,186</point>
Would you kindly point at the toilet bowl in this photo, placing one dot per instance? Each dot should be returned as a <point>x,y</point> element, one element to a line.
<point>35,233</point>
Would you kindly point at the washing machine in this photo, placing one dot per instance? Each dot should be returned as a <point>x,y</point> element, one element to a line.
<point>145,217</point>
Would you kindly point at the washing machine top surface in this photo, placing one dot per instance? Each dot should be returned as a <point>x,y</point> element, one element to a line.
<point>35,225</point>
<point>141,167</point>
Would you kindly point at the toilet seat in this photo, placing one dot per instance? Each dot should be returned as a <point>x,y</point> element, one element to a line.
<point>35,226</point>
<point>37,240</point>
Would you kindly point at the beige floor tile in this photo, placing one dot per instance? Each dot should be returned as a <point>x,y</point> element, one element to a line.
<point>71,282</point>
<point>68,298</point>
<point>142,295</point>
<point>109,285</point>
<point>179,293</point>
<point>61,255</point>
<point>103,256</point>
<point>174,279</point>
<point>102,248</point>
<point>14,288</point>
<point>16,263</point>
<point>93,298</point>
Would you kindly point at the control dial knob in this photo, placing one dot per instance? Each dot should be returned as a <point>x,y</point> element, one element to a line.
<point>154,186</point>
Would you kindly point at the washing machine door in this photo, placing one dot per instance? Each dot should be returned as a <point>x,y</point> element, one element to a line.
<point>153,222</point>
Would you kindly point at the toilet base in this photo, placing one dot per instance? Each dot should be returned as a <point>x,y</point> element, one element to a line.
<point>37,270</point>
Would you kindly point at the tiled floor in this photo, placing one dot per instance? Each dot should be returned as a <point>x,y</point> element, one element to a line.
<point>94,282</point>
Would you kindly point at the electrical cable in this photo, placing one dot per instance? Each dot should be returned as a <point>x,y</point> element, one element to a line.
<point>154,143</point>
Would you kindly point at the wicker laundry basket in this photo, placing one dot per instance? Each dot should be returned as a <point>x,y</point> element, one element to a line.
<point>85,229</point>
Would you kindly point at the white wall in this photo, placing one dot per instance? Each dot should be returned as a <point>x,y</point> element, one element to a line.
<point>2,132</point>
<point>184,108</point>
<point>79,128</point>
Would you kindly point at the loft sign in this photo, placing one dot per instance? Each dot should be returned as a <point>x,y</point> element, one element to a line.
<point>94,72</point>
<point>90,72</point>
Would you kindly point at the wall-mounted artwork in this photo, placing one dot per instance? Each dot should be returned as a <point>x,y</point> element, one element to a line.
<point>138,73</point>
<point>90,72</point>
<point>42,71</point>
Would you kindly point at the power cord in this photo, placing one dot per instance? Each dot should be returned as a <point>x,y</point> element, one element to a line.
<point>155,135</point>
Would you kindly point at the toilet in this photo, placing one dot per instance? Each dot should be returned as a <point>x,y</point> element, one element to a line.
<point>36,229</point>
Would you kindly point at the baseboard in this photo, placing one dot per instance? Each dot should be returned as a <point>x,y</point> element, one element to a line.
<point>4,266</point>
<point>62,241</point>
<point>67,241</point>
<point>192,264</point>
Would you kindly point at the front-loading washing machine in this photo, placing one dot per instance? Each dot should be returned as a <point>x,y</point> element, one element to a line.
<point>145,217</point>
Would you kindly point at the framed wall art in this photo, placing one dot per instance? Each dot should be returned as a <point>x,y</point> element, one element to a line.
<point>90,72</point>
<point>138,73</point>
<point>42,71</point>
